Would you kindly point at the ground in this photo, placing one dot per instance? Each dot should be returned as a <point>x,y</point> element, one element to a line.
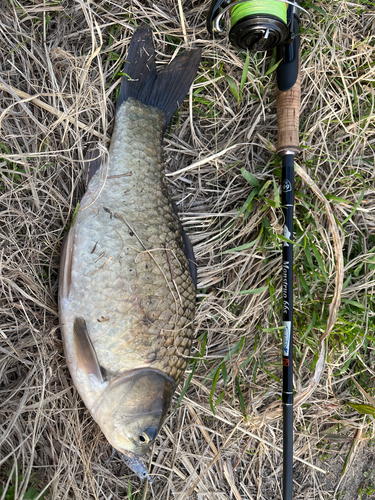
<point>60,65</point>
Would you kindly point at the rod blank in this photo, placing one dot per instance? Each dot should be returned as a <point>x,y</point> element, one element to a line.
<point>287,295</point>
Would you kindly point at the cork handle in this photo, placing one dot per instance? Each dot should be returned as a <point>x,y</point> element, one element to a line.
<point>288,106</point>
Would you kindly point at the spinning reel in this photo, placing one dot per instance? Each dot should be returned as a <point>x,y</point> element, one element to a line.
<point>261,25</point>
<point>256,25</point>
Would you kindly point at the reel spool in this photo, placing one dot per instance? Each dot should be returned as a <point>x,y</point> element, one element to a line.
<point>256,25</point>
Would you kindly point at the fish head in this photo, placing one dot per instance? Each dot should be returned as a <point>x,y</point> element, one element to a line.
<point>133,408</point>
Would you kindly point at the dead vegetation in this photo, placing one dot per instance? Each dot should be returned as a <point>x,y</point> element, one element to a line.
<point>59,65</point>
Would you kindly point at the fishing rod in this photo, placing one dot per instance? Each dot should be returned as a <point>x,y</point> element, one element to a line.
<point>262,25</point>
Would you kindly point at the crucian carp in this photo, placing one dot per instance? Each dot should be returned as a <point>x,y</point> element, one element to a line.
<point>127,275</point>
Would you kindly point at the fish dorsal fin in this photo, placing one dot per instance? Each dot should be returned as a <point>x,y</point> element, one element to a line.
<point>188,249</point>
<point>87,359</point>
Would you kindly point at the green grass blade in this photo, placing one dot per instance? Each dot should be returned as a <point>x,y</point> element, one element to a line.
<point>187,383</point>
<point>363,409</point>
<point>254,290</point>
<point>240,397</point>
<point>356,205</point>
<point>233,87</point>
<point>319,260</point>
<point>245,71</point>
<point>251,179</point>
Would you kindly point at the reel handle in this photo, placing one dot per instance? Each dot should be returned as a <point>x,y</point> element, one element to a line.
<point>288,109</point>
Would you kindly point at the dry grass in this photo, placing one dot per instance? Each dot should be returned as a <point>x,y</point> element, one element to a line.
<point>58,80</point>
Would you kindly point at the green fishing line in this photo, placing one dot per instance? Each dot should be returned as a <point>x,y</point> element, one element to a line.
<point>259,7</point>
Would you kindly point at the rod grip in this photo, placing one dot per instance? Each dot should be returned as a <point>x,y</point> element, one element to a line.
<point>288,107</point>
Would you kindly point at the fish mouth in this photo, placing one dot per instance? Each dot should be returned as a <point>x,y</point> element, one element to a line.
<point>135,464</point>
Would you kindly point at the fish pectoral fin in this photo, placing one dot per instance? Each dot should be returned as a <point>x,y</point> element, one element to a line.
<point>66,261</point>
<point>86,356</point>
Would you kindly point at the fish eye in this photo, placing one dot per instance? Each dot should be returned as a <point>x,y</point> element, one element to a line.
<point>144,439</point>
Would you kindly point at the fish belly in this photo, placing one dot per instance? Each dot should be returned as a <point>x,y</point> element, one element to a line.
<point>124,271</point>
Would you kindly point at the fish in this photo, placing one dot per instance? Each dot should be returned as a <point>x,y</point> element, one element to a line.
<point>127,280</point>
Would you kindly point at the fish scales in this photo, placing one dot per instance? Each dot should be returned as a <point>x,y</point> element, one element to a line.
<point>126,292</point>
<point>134,290</point>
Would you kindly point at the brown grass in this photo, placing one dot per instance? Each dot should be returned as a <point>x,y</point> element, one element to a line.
<point>57,99</point>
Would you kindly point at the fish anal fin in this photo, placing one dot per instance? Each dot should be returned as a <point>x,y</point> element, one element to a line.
<point>87,359</point>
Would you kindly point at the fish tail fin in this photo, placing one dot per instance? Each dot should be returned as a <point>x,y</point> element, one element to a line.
<point>166,89</point>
